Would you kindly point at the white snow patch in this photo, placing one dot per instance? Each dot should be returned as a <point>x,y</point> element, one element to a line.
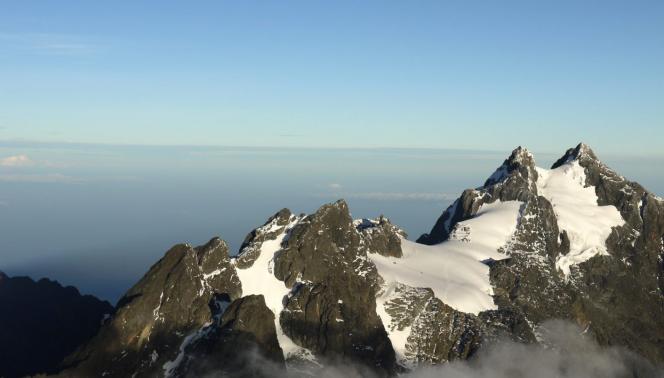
<point>170,366</point>
<point>214,273</point>
<point>588,225</point>
<point>259,279</point>
<point>398,338</point>
<point>205,285</point>
<point>453,269</point>
<point>156,312</point>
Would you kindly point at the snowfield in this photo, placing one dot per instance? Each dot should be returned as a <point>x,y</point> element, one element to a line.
<point>588,225</point>
<point>453,269</point>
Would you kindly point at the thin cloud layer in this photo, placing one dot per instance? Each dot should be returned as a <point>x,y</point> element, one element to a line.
<point>40,178</point>
<point>48,43</point>
<point>390,196</point>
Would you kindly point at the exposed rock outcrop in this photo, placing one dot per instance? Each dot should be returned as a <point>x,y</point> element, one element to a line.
<point>173,301</point>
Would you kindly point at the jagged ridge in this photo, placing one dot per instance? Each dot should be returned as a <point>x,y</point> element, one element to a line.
<point>319,279</point>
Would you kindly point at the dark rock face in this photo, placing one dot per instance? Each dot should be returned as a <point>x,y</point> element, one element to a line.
<point>331,309</point>
<point>173,301</point>
<point>42,322</point>
<point>242,342</point>
<point>380,236</point>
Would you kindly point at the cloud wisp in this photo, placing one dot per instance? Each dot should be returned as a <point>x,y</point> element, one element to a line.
<point>48,44</point>
<point>16,161</point>
<point>565,352</point>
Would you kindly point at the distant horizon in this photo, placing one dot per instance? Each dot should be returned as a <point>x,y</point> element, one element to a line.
<point>18,143</point>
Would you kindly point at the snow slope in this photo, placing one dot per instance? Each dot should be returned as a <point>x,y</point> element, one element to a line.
<point>259,279</point>
<point>588,225</point>
<point>453,269</point>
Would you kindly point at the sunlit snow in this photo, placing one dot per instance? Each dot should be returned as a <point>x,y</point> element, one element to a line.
<point>453,269</point>
<point>588,225</point>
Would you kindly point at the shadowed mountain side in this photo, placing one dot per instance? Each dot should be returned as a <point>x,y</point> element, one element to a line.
<point>41,322</point>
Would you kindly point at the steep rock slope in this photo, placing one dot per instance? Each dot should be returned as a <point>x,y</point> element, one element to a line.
<point>156,319</point>
<point>239,343</point>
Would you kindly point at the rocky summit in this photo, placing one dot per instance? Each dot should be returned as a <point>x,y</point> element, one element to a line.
<point>576,242</point>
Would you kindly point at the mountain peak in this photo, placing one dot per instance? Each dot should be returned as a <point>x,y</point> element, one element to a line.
<point>520,155</point>
<point>582,152</point>
<point>519,160</point>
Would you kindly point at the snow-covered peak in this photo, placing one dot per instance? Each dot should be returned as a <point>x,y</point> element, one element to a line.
<point>521,155</point>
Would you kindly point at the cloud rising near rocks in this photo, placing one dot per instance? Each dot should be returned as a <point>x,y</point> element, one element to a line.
<point>566,352</point>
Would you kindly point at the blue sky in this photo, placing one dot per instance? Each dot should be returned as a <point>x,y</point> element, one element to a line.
<point>442,74</point>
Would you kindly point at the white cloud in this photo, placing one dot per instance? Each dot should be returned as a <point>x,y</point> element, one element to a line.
<point>16,161</point>
<point>334,185</point>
